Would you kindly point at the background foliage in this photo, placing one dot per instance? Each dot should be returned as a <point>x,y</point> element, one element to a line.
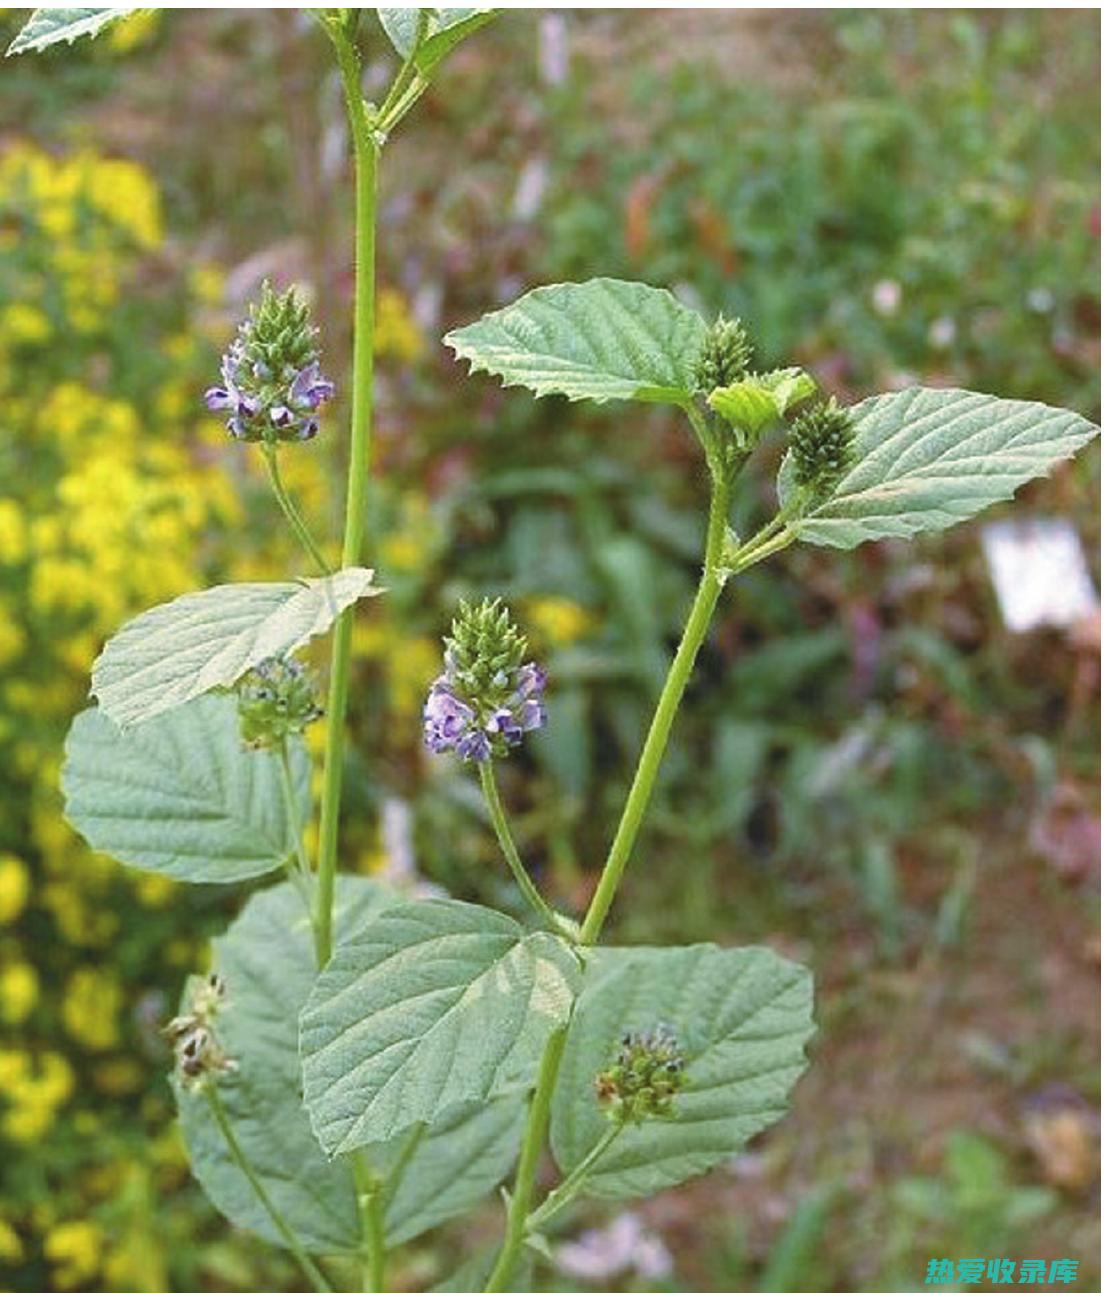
<point>870,769</point>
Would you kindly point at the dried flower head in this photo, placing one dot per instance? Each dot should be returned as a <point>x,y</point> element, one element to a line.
<point>276,699</point>
<point>822,447</point>
<point>486,699</point>
<point>724,357</point>
<point>272,384</point>
<point>197,1052</point>
<point>645,1077</point>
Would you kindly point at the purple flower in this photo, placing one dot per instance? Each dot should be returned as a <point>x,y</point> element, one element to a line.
<point>450,724</point>
<point>475,730</point>
<point>310,389</point>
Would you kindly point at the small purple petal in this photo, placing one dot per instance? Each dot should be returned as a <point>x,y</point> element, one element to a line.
<point>219,400</point>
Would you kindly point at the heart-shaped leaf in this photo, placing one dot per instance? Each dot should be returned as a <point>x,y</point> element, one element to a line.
<point>436,1004</point>
<point>742,1017</point>
<point>181,795</point>
<point>600,340</point>
<point>928,458</point>
<point>210,639</point>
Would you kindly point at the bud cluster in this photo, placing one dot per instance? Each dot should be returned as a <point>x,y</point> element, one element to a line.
<point>196,1049</point>
<point>724,357</point>
<point>272,384</point>
<point>486,699</point>
<point>645,1077</point>
<point>276,699</point>
<point>822,447</point>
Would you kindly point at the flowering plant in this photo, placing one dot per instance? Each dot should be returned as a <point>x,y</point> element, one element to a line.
<point>363,1065</point>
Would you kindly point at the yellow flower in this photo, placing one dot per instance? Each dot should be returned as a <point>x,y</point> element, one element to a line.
<point>15,883</point>
<point>11,1246</point>
<point>18,991</point>
<point>411,666</point>
<point>91,1008</point>
<point>397,333</point>
<point>558,621</point>
<point>13,640</point>
<point>25,325</point>
<point>13,533</point>
<point>75,1248</point>
<point>153,890</point>
<point>139,29</point>
<point>33,1094</point>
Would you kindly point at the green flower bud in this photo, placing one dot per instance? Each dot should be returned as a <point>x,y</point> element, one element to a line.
<point>275,700</point>
<point>725,356</point>
<point>279,335</point>
<point>645,1077</point>
<point>822,447</point>
<point>484,648</point>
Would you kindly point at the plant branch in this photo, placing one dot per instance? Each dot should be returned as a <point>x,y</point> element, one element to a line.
<point>315,1277</point>
<point>290,511</point>
<point>370,1189</point>
<point>570,1186</point>
<point>506,840</point>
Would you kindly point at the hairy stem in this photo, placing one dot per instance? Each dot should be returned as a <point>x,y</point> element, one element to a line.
<point>370,1203</point>
<point>291,512</point>
<point>506,840</point>
<point>655,744</point>
<point>356,506</point>
<point>536,1129</point>
<point>570,1186</point>
<point>314,1276</point>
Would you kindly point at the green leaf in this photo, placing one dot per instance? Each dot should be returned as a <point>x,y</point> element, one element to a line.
<point>181,795</point>
<point>434,1005</point>
<point>51,26</point>
<point>929,458</point>
<point>209,639</point>
<point>742,1017</point>
<point>600,340</point>
<point>267,960</point>
<point>445,29</point>
<point>758,399</point>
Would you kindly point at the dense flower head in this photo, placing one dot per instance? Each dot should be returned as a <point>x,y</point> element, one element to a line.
<point>486,699</point>
<point>644,1079</point>
<point>272,383</point>
<point>725,356</point>
<point>822,447</point>
<point>276,699</point>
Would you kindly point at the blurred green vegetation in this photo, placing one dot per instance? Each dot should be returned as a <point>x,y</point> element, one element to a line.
<point>866,757</point>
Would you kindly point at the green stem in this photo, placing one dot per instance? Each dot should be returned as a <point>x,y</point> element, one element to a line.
<point>570,1186</point>
<point>409,1149</point>
<point>356,506</point>
<point>502,830</point>
<point>370,1190</point>
<point>697,625</point>
<point>760,547</point>
<point>409,67</point>
<point>317,1280</point>
<point>536,1129</point>
<point>290,511</point>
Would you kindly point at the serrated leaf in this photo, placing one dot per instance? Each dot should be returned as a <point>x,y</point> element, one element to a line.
<point>445,29</point>
<point>928,458</point>
<point>754,401</point>
<point>180,795</point>
<point>600,340</point>
<point>210,639</point>
<point>267,960</point>
<point>436,1004</point>
<point>742,1017</point>
<point>51,26</point>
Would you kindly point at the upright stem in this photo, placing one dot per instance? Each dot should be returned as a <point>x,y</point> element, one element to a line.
<point>709,590</point>
<point>290,511</point>
<point>317,1280</point>
<point>370,1190</point>
<point>506,840</point>
<point>356,506</point>
<point>536,1129</point>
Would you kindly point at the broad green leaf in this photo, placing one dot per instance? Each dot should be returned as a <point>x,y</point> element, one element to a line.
<point>600,340</point>
<point>436,1004</point>
<point>445,29</point>
<point>742,1017</point>
<point>180,795</point>
<point>267,960</point>
<point>760,398</point>
<point>51,26</point>
<point>929,458</point>
<point>209,639</point>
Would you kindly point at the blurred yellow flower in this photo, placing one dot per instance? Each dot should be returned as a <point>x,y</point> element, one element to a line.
<point>11,1246</point>
<point>13,533</point>
<point>75,1249</point>
<point>397,333</point>
<point>558,621</point>
<point>139,29</point>
<point>24,325</point>
<point>18,991</point>
<point>15,883</point>
<point>90,1009</point>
